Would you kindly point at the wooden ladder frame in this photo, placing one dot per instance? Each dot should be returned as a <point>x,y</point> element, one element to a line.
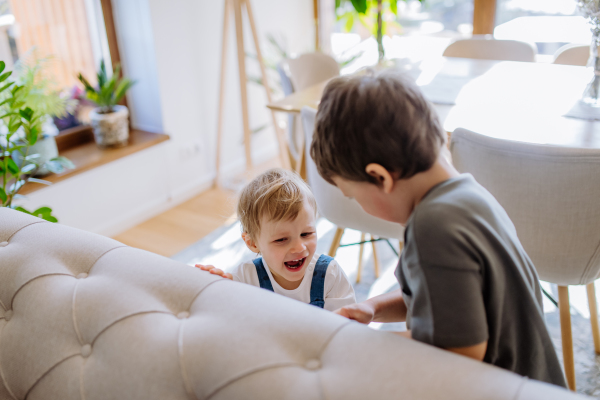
<point>237,7</point>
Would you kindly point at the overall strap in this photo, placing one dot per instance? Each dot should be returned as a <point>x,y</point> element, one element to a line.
<point>263,277</point>
<point>317,286</point>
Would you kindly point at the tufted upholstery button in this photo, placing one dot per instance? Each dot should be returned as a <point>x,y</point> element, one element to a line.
<point>8,315</point>
<point>183,315</point>
<point>312,364</point>
<point>86,350</point>
<point>82,275</point>
<point>3,244</point>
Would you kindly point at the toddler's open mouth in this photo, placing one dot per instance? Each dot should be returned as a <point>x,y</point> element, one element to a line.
<point>295,264</point>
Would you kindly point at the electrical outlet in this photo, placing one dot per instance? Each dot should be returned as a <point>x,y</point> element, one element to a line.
<point>190,151</point>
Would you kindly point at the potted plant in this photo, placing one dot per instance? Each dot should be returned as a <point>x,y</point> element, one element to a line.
<point>370,13</point>
<point>38,93</point>
<point>21,127</point>
<point>109,120</point>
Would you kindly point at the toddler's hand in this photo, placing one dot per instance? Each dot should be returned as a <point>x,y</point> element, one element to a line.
<point>360,312</point>
<point>215,271</point>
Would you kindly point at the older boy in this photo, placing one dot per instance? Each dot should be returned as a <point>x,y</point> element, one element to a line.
<point>467,285</point>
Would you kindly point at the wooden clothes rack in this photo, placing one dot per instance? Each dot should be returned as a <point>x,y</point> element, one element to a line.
<point>237,6</point>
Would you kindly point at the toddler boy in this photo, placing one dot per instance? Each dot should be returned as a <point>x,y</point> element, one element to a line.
<point>277,212</point>
<point>467,285</point>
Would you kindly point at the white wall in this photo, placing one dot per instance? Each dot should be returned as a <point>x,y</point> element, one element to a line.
<point>173,49</point>
<point>188,48</point>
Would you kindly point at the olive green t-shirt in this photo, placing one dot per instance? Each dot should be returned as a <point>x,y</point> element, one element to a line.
<point>466,279</point>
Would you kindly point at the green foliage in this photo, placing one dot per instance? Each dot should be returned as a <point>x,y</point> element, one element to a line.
<point>38,90</point>
<point>110,91</point>
<point>369,14</point>
<point>23,128</point>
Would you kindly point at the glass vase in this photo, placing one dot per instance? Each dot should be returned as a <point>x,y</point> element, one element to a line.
<point>591,94</point>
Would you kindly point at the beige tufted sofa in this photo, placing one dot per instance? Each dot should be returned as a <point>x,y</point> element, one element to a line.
<point>85,317</point>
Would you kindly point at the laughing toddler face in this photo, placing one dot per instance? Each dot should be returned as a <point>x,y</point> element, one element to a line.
<point>288,246</point>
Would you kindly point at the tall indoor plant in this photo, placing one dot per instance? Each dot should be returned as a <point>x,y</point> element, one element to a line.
<point>110,120</point>
<point>370,13</point>
<point>38,93</point>
<point>20,130</point>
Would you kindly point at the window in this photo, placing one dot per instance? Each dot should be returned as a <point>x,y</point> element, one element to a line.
<point>72,33</point>
<point>549,24</point>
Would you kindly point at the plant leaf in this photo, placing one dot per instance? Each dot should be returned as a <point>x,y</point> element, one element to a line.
<point>360,6</point>
<point>32,157</point>
<point>3,88</point>
<point>15,187</point>
<point>54,167</point>
<point>50,218</point>
<point>64,161</point>
<point>43,182</point>
<point>394,6</point>
<point>42,210</point>
<point>5,75</point>
<point>26,114</point>
<point>13,168</point>
<point>18,208</point>
<point>29,168</point>
<point>3,195</point>
<point>349,23</point>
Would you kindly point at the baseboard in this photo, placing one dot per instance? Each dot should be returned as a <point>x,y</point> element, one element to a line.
<point>178,195</point>
<point>153,208</point>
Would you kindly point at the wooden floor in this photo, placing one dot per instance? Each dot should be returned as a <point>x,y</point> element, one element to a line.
<point>172,231</point>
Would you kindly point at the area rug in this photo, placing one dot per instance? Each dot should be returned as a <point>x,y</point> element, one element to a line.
<point>225,249</point>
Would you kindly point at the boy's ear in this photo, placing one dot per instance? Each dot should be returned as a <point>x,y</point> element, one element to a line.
<point>383,176</point>
<point>250,243</point>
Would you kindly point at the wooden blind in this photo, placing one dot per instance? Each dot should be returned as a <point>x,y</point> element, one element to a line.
<point>58,28</point>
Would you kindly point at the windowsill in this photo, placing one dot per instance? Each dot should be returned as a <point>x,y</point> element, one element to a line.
<point>80,148</point>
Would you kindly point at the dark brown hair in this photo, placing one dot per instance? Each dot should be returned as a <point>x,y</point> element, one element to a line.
<point>375,118</point>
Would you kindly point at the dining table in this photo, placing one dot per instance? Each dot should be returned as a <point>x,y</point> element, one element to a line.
<point>521,101</point>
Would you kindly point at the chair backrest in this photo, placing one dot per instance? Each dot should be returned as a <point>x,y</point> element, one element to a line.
<point>485,47</point>
<point>311,68</point>
<point>572,54</point>
<point>332,204</point>
<point>552,195</point>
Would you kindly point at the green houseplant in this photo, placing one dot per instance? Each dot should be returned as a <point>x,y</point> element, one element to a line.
<point>21,129</point>
<point>370,13</point>
<point>109,120</point>
<point>38,93</point>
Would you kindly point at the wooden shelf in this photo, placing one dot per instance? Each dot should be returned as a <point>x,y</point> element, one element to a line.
<point>86,155</point>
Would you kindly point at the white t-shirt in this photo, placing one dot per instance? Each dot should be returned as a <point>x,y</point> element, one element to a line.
<point>338,289</point>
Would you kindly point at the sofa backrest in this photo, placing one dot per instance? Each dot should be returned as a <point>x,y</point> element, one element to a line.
<point>85,317</point>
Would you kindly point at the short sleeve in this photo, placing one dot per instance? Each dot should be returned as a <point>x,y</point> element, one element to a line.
<point>446,284</point>
<point>245,273</point>
<point>338,289</point>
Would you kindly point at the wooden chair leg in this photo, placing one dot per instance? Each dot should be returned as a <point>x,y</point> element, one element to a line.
<point>337,238</point>
<point>591,293</point>
<point>567,336</point>
<point>375,258</point>
<point>360,257</point>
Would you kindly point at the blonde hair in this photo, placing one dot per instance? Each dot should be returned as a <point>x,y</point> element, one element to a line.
<point>278,194</point>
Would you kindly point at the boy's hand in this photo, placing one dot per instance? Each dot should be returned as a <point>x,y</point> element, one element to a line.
<point>215,271</point>
<point>360,312</point>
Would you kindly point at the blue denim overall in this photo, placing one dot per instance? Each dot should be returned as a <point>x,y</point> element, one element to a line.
<point>317,286</point>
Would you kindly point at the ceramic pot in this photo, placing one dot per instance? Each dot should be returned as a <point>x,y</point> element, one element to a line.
<point>111,129</point>
<point>47,150</point>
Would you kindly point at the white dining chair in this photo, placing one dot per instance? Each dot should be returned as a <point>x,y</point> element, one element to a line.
<point>572,54</point>
<point>485,47</point>
<point>551,193</point>
<point>298,74</point>
<point>340,210</point>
